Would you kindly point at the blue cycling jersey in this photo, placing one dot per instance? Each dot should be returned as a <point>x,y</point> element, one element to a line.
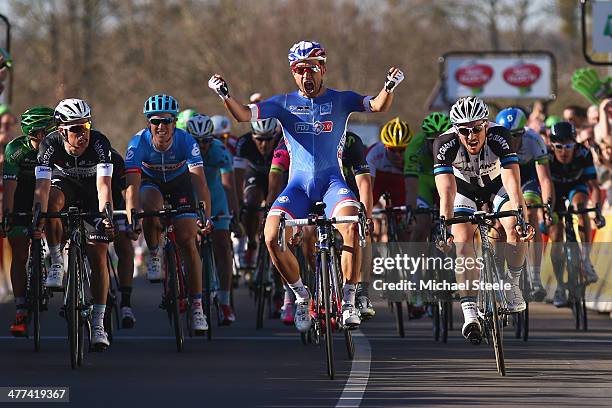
<point>141,155</point>
<point>217,161</point>
<point>314,130</point>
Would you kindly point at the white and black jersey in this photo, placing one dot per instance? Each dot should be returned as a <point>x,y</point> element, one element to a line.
<point>451,157</point>
<point>478,176</point>
<point>55,162</point>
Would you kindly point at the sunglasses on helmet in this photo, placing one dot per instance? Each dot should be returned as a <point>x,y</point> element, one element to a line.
<point>301,69</point>
<point>560,146</point>
<point>465,131</point>
<point>158,121</point>
<point>80,128</point>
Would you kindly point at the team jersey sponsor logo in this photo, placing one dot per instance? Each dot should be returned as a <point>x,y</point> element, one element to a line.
<point>501,140</point>
<point>78,172</point>
<point>316,128</point>
<point>283,199</point>
<point>164,167</point>
<point>343,191</point>
<point>326,108</point>
<point>442,151</point>
<point>129,155</point>
<point>299,110</point>
<point>195,150</point>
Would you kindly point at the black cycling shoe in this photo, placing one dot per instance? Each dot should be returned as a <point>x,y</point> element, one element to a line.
<point>472,332</point>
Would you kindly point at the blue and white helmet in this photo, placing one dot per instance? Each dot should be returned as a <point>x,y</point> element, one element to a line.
<point>200,127</point>
<point>221,125</point>
<point>511,118</point>
<point>160,104</point>
<point>306,50</point>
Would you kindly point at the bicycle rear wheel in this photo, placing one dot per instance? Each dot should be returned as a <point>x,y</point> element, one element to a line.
<point>526,323</point>
<point>173,295</point>
<point>325,288</point>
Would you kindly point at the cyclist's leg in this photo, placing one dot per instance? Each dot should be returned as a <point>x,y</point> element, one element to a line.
<point>579,198</point>
<point>61,192</point>
<point>222,247</point>
<point>19,256</point>
<point>465,204</point>
<point>152,200</point>
<point>556,236</point>
<point>125,268</point>
<point>294,202</point>
<point>340,201</point>
<point>254,194</point>
<point>533,196</point>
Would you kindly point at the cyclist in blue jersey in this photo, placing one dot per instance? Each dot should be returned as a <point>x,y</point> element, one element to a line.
<point>536,183</point>
<point>220,180</point>
<point>314,120</point>
<point>164,163</point>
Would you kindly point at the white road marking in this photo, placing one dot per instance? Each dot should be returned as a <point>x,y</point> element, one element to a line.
<point>357,382</point>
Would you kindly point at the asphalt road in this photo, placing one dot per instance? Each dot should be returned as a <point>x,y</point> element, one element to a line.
<point>242,367</point>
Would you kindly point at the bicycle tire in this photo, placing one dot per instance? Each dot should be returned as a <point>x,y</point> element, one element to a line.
<point>81,320</point>
<point>72,311</point>
<point>445,316</point>
<point>584,315</point>
<point>260,289</point>
<point>329,342</point>
<point>399,318</point>
<point>350,344</point>
<point>206,266</point>
<point>526,323</point>
<point>435,310</point>
<point>109,316</point>
<point>518,323</point>
<point>496,327</point>
<point>173,295</point>
<point>37,285</point>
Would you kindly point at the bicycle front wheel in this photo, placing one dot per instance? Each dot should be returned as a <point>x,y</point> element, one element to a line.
<point>329,341</point>
<point>496,327</point>
<point>173,296</point>
<point>71,306</point>
<point>36,287</point>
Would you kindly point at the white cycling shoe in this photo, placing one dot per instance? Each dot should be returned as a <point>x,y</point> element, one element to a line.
<point>471,329</point>
<point>365,307</point>
<point>198,321</point>
<point>350,316</point>
<point>99,338</point>
<point>514,296</point>
<point>302,318</point>
<point>154,269</point>
<point>55,276</point>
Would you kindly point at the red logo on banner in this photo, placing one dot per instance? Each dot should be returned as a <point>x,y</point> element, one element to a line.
<point>474,76</point>
<point>523,75</point>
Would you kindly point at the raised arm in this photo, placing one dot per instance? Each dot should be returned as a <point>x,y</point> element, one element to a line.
<point>240,112</point>
<point>382,101</point>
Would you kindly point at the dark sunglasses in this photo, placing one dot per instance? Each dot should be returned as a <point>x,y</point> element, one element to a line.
<point>205,141</point>
<point>263,138</point>
<point>5,64</point>
<point>517,132</point>
<point>560,146</point>
<point>465,131</point>
<point>158,121</point>
<point>78,128</point>
<point>397,150</point>
<point>301,69</point>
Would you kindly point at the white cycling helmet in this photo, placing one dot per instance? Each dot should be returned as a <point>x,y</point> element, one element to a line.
<point>264,127</point>
<point>221,125</point>
<point>71,109</point>
<point>200,127</point>
<point>468,109</point>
